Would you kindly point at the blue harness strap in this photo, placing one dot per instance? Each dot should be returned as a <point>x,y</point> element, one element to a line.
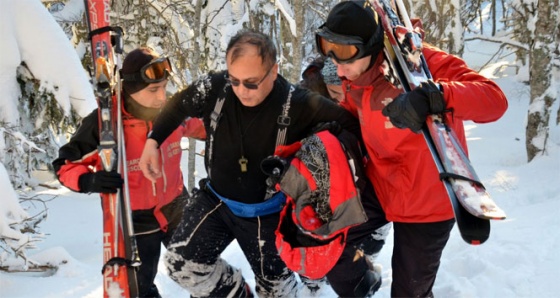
<point>270,206</point>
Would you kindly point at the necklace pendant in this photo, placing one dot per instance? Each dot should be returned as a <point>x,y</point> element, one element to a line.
<point>243,163</point>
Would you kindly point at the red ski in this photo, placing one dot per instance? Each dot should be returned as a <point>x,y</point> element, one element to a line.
<point>120,254</point>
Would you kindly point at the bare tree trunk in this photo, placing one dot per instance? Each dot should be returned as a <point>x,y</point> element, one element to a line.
<point>442,22</point>
<point>194,70</point>
<point>297,41</point>
<point>494,17</point>
<point>541,74</point>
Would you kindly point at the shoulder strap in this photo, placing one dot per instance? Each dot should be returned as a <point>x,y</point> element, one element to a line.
<point>284,120</point>
<point>214,120</point>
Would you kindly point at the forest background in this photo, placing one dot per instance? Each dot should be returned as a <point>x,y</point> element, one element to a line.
<point>194,35</point>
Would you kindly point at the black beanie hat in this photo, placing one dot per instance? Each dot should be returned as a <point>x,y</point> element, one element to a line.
<point>356,19</point>
<point>133,63</point>
<point>353,18</point>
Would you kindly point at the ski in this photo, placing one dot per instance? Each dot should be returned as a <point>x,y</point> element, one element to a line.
<point>120,254</point>
<point>472,205</point>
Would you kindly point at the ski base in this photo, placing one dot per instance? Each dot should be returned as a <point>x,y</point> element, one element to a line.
<point>461,175</point>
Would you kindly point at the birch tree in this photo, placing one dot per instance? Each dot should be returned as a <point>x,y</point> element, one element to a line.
<point>538,25</point>
<point>442,22</point>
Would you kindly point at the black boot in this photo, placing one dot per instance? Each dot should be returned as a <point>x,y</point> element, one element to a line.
<point>244,292</point>
<point>370,283</point>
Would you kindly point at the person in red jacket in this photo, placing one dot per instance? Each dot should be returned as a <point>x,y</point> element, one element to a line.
<point>156,207</point>
<point>401,167</point>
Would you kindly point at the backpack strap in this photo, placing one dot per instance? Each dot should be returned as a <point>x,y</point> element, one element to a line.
<point>284,120</point>
<point>214,120</point>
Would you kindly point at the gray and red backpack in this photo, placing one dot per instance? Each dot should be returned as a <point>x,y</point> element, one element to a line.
<point>322,183</point>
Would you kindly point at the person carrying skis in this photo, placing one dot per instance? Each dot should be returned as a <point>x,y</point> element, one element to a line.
<point>248,111</point>
<point>400,166</point>
<point>320,76</point>
<point>156,206</point>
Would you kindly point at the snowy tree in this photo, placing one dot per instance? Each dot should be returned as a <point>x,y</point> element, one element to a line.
<point>39,104</point>
<point>538,26</point>
<point>442,22</point>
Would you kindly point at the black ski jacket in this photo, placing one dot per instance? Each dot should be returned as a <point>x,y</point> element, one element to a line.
<point>246,131</point>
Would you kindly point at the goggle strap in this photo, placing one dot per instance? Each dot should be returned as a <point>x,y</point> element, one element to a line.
<point>132,77</point>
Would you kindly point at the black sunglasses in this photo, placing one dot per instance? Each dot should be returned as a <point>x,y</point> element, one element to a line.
<point>252,86</point>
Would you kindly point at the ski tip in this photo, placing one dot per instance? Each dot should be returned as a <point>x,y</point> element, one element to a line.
<point>474,230</point>
<point>500,216</point>
<point>475,241</point>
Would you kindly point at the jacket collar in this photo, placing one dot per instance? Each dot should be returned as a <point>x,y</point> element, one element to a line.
<point>370,75</point>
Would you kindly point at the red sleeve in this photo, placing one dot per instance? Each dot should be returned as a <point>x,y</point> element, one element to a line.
<point>194,128</point>
<point>71,171</point>
<point>470,95</point>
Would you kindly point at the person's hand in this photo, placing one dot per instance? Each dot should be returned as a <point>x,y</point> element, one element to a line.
<point>274,167</point>
<point>410,110</point>
<point>102,182</point>
<point>149,161</point>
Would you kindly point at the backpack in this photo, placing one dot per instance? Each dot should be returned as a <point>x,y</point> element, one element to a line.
<point>322,183</point>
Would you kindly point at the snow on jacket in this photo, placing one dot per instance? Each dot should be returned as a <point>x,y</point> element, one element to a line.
<point>400,165</point>
<point>80,156</point>
<point>252,130</point>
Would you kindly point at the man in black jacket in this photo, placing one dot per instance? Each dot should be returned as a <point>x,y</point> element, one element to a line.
<point>248,111</point>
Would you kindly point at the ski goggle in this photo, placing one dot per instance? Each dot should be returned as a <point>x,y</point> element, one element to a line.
<point>342,48</point>
<point>156,71</point>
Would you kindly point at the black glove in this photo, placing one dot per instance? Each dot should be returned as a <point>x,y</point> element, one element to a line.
<point>102,181</point>
<point>274,167</point>
<point>410,110</point>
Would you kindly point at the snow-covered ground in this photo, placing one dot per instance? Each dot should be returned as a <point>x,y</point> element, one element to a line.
<point>520,259</point>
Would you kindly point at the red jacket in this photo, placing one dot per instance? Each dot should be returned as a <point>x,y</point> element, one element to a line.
<point>400,165</point>
<point>80,156</point>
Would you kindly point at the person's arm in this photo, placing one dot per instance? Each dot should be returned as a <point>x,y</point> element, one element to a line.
<point>77,159</point>
<point>149,161</point>
<point>188,102</point>
<point>78,155</point>
<point>323,109</point>
<point>468,94</point>
<point>172,115</point>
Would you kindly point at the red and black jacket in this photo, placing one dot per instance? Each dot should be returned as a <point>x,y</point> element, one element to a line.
<point>80,156</point>
<point>400,165</point>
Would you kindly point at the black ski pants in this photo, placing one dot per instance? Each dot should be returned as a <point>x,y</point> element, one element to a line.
<point>351,268</point>
<point>149,243</point>
<point>208,227</point>
<point>149,249</point>
<point>416,256</point>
